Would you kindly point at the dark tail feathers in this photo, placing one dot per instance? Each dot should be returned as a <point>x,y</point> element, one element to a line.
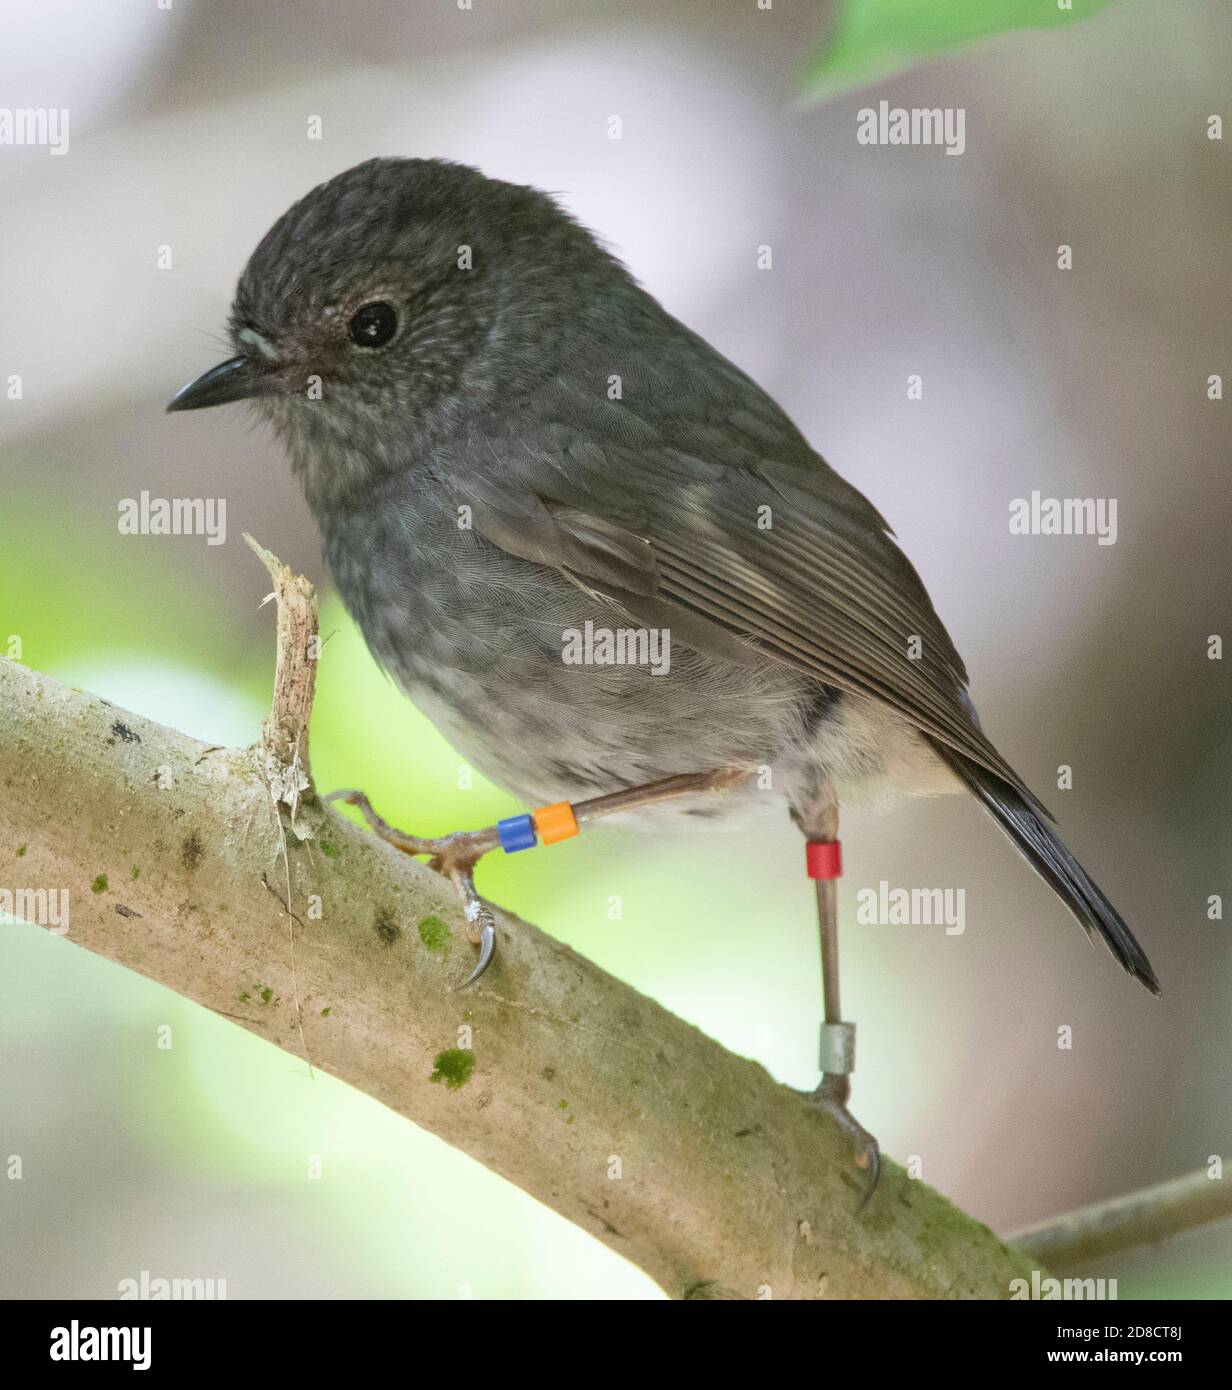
<point>1041,846</point>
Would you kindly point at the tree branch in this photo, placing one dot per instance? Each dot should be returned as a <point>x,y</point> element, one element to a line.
<point>1109,1228</point>
<point>692,1162</point>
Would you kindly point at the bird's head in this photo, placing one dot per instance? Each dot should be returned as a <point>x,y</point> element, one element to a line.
<point>396,298</point>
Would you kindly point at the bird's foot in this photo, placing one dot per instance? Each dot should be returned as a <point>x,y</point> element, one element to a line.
<point>832,1097</point>
<point>454,856</point>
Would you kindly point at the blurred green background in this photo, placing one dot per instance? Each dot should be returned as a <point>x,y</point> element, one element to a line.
<point>189,132</point>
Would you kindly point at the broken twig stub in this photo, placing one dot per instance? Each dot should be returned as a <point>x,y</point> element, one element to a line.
<point>284,732</point>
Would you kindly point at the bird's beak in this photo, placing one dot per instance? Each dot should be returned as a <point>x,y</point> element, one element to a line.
<point>237,379</point>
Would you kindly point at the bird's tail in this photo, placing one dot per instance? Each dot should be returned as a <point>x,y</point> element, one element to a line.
<point>1043,849</point>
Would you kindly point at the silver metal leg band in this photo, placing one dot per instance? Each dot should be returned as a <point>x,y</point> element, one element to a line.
<point>838,1048</point>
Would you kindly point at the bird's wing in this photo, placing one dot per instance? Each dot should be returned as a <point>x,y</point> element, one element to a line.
<point>736,536</point>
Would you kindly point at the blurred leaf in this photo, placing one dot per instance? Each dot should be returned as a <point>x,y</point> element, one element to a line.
<point>875,37</point>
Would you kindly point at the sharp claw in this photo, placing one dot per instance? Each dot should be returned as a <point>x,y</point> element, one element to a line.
<point>831,1096</point>
<point>870,1159</point>
<point>487,949</point>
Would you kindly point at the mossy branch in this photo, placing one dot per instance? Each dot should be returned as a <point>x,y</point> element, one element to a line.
<point>692,1162</point>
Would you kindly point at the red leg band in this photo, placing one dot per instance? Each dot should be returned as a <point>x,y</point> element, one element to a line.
<point>824,858</point>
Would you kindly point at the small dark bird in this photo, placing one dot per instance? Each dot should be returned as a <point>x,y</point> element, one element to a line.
<point>596,554</point>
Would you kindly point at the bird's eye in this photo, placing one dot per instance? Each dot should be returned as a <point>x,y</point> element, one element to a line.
<point>373,325</point>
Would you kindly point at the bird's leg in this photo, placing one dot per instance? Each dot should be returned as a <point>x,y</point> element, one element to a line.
<point>665,789</point>
<point>456,855</point>
<point>838,1038</point>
